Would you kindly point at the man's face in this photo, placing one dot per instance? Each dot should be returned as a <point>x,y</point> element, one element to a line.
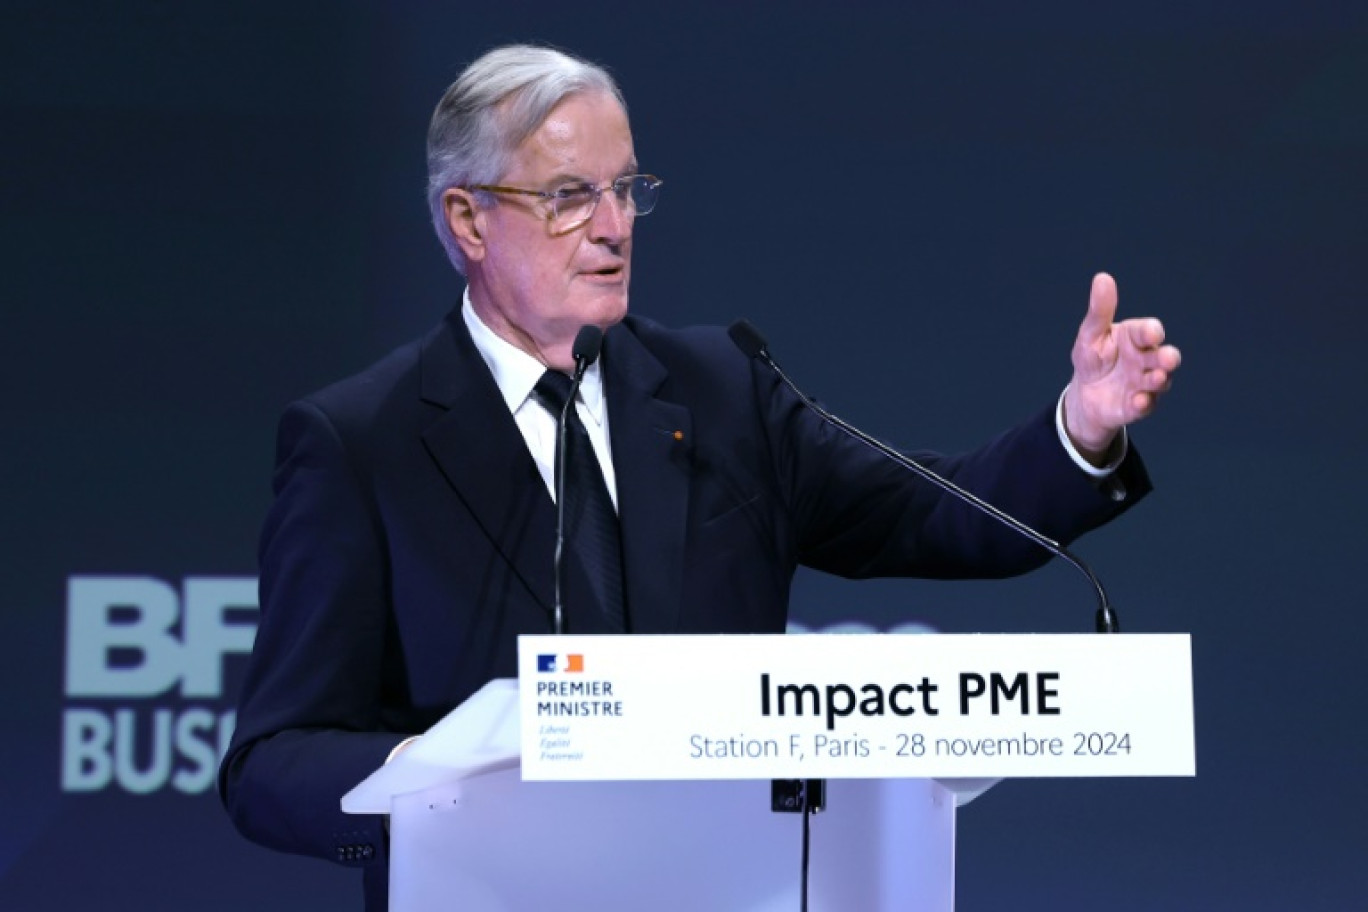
<point>536,285</point>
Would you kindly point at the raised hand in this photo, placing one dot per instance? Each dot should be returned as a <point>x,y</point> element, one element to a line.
<point>1120,370</point>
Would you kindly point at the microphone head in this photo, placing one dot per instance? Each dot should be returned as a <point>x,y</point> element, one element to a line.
<point>588,341</point>
<point>747,338</point>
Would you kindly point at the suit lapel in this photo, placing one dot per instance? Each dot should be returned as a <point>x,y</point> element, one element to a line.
<point>651,441</point>
<point>479,449</point>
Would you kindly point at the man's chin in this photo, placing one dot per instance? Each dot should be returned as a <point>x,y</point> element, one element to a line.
<point>604,309</point>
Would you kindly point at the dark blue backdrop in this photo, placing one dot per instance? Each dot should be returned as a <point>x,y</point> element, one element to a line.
<point>207,212</point>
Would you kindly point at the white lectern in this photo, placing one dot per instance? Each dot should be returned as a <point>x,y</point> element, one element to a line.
<point>674,830</point>
<point>467,833</point>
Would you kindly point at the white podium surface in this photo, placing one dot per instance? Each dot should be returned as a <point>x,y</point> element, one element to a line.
<point>464,825</point>
<point>483,735</point>
<point>652,845</point>
<point>469,832</point>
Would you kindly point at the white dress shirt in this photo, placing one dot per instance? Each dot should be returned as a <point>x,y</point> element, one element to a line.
<point>516,373</point>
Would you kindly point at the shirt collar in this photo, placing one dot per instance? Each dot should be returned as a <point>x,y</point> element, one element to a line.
<point>516,372</point>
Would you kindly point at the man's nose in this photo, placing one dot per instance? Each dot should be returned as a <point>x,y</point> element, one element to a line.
<point>612,219</point>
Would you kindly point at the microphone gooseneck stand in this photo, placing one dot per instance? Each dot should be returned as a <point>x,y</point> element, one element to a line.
<point>585,351</point>
<point>749,340</point>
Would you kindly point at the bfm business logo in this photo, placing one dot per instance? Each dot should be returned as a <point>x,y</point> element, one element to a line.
<point>131,641</point>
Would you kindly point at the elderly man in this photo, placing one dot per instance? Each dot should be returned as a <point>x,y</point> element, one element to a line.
<point>412,535</point>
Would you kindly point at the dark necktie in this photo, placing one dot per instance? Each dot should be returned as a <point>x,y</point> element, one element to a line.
<point>591,523</point>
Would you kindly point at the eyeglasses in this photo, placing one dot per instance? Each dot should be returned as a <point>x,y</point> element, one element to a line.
<point>573,205</point>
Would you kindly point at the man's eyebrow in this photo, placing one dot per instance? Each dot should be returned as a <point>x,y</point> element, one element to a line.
<point>560,180</point>
<point>565,177</point>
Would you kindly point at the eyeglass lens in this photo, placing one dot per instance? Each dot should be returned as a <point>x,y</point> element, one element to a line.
<point>637,194</point>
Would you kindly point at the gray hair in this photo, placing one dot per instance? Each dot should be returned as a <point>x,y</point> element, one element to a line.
<point>499,101</point>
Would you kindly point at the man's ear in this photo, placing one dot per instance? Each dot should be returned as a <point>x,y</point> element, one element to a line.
<point>465,220</point>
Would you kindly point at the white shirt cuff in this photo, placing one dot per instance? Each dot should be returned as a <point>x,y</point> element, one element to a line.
<point>400,746</point>
<point>1119,448</point>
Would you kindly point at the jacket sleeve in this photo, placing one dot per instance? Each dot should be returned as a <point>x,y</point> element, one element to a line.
<point>858,514</point>
<point>309,724</point>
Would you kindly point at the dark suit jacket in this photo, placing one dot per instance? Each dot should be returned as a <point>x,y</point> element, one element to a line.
<point>411,540</point>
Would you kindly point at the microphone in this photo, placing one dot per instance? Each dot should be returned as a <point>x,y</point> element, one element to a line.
<point>752,344</point>
<point>585,351</point>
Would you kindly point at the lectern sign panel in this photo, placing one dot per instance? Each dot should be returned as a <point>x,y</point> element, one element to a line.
<point>854,706</point>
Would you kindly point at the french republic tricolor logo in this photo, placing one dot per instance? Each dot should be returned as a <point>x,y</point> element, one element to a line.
<point>553,663</point>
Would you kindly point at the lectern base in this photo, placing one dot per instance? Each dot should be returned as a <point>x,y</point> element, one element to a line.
<point>666,846</point>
